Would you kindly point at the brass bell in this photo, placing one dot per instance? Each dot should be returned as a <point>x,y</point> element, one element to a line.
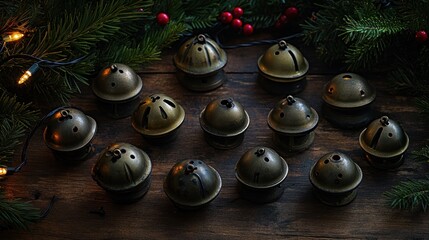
<point>68,133</point>
<point>293,123</point>
<point>200,62</point>
<point>117,88</point>
<point>282,69</point>
<point>384,142</point>
<point>192,184</point>
<point>158,118</point>
<point>347,98</point>
<point>224,122</point>
<point>260,173</point>
<point>124,171</point>
<point>335,178</point>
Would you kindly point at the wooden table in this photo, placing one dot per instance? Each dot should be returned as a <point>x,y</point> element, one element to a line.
<point>297,214</point>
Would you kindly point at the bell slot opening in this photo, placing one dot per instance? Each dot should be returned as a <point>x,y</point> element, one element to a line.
<point>256,177</point>
<point>163,113</point>
<point>169,103</point>
<point>347,77</point>
<point>146,118</point>
<point>295,62</point>
<point>209,60</point>
<point>376,138</point>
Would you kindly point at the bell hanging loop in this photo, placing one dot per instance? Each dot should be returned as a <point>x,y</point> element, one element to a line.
<point>201,39</point>
<point>282,45</point>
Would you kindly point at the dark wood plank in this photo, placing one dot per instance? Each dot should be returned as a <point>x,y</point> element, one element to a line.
<point>297,214</point>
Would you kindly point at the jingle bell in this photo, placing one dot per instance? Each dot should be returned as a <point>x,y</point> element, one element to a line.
<point>68,133</point>
<point>260,173</point>
<point>335,178</point>
<point>200,62</point>
<point>117,88</point>
<point>124,171</point>
<point>384,142</point>
<point>224,122</point>
<point>158,118</point>
<point>347,98</point>
<point>192,184</point>
<point>282,69</point>
<point>293,123</point>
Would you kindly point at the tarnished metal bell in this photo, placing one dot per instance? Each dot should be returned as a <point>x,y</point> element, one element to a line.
<point>200,62</point>
<point>293,122</point>
<point>384,142</point>
<point>283,69</point>
<point>260,173</point>
<point>117,88</point>
<point>335,178</point>
<point>347,98</point>
<point>68,133</point>
<point>192,184</point>
<point>224,122</point>
<point>124,171</point>
<point>158,118</point>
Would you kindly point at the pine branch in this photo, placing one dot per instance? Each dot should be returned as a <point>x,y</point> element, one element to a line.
<point>412,195</point>
<point>422,155</point>
<point>15,119</point>
<point>371,28</point>
<point>16,213</point>
<point>17,112</point>
<point>10,135</point>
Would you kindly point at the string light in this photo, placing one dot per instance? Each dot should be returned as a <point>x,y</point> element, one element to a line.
<point>41,63</point>
<point>15,36</point>
<point>3,171</point>
<point>30,72</point>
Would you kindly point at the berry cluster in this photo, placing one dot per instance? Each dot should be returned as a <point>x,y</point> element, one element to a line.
<point>234,20</point>
<point>290,14</point>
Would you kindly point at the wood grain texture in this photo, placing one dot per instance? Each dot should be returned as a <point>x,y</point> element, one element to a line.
<point>297,214</point>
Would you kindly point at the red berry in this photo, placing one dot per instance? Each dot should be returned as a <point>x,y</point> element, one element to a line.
<point>278,24</point>
<point>291,12</point>
<point>282,19</point>
<point>162,19</point>
<point>225,17</point>
<point>421,36</point>
<point>237,12</point>
<point>247,29</point>
<point>236,23</point>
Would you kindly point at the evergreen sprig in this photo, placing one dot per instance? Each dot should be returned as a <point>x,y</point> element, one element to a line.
<point>15,118</point>
<point>422,155</point>
<point>15,213</point>
<point>411,195</point>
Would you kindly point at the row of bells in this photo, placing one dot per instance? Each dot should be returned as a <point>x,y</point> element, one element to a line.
<point>224,123</point>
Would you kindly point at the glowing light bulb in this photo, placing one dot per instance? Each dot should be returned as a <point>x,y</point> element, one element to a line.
<point>3,171</point>
<point>15,36</point>
<point>32,70</point>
